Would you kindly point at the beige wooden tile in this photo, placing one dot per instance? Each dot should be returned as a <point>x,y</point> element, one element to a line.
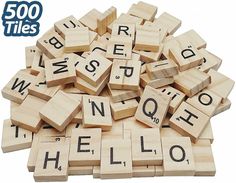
<point>116,160</point>
<point>90,19</point>
<point>143,171</point>
<point>51,44</point>
<point>152,107</point>
<point>67,23</point>
<point>16,89</point>
<point>223,107</point>
<point>203,157</point>
<point>15,138</point>
<point>94,69</point>
<point>85,147</point>
<point>52,162</point>
<point>80,170</point>
<point>125,75</point>
<point>96,112</point>
<point>143,10</point>
<point>146,147</point>
<point>47,130</point>
<point>60,70</point>
<point>61,109</point>
<point>176,97</point>
<point>191,81</point>
<point>98,47</point>
<point>220,84</point>
<point>38,63</point>
<point>147,57</point>
<point>71,126</point>
<point>29,55</point>
<point>189,121</point>
<point>27,114</point>
<point>161,69</point>
<point>207,133</point>
<point>123,29</point>
<point>70,88</point>
<point>123,109</point>
<point>166,130</point>
<point>205,101</point>
<point>178,159</point>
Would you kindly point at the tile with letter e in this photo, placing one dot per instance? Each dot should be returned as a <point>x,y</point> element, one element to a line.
<point>152,107</point>
<point>96,112</point>
<point>189,121</point>
<point>116,159</point>
<point>125,75</point>
<point>61,70</point>
<point>178,159</point>
<point>85,147</point>
<point>146,147</point>
<point>15,138</point>
<point>52,162</point>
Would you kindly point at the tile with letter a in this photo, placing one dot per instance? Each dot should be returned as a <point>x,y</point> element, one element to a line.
<point>189,121</point>
<point>146,147</point>
<point>15,138</point>
<point>60,71</point>
<point>152,107</point>
<point>85,147</point>
<point>17,88</point>
<point>52,162</point>
<point>96,112</point>
<point>116,160</point>
<point>178,157</point>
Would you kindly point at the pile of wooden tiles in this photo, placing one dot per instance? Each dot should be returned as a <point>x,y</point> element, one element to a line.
<point>116,98</point>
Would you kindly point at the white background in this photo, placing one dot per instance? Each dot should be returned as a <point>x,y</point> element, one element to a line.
<point>213,20</point>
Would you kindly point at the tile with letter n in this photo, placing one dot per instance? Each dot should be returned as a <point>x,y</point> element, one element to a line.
<point>96,112</point>
<point>15,138</point>
<point>152,107</point>
<point>125,75</point>
<point>189,121</point>
<point>61,70</point>
<point>178,159</point>
<point>146,147</point>
<point>85,147</point>
<point>17,88</point>
<point>94,69</point>
<point>52,162</point>
<point>116,159</point>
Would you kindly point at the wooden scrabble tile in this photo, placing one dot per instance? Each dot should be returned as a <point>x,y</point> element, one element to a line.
<point>17,88</point>
<point>122,95</point>
<point>61,109</point>
<point>119,48</point>
<point>146,147</point>
<point>189,121</point>
<point>220,84</point>
<point>192,81</point>
<point>203,157</point>
<point>116,160</point>
<point>125,75</point>
<point>104,38</point>
<point>155,83</point>
<point>96,112</point>
<point>207,134</point>
<point>166,130</point>
<point>40,89</point>
<point>85,147</point>
<point>210,61</point>
<point>71,126</point>
<point>51,44</point>
<point>70,88</point>
<point>185,55</point>
<point>80,170</point>
<point>47,130</point>
<point>60,70</point>
<point>223,107</point>
<point>15,138</point>
<point>90,19</point>
<point>29,55</point>
<point>94,69</point>
<point>98,47</point>
<point>65,24</point>
<point>90,89</point>
<point>147,39</point>
<point>27,114</point>
<point>149,111</point>
<point>123,109</point>
<point>38,63</point>
<point>205,101</point>
<point>178,159</point>
<point>177,97</point>
<point>143,10</point>
<point>161,69</point>
<point>77,40</point>
<point>13,107</point>
<point>52,162</point>
<point>124,30</point>
<point>144,171</point>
